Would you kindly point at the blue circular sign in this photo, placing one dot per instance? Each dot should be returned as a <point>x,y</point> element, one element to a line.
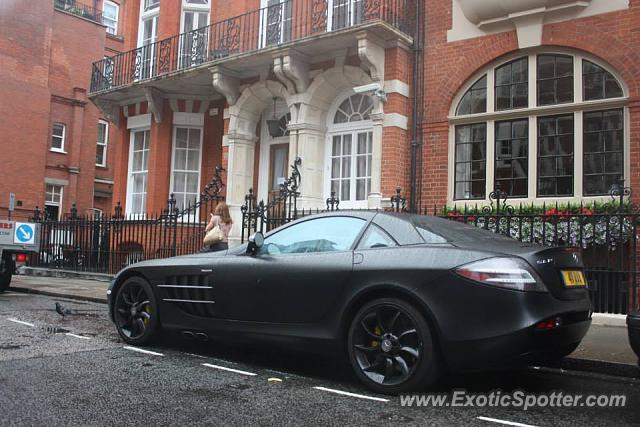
<point>24,233</point>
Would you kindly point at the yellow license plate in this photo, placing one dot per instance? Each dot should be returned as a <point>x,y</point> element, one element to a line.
<point>573,278</point>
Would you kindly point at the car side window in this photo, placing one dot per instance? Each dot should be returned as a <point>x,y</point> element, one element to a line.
<point>375,237</point>
<point>430,237</point>
<point>329,234</point>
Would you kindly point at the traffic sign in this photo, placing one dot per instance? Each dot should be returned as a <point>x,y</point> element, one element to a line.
<point>25,233</point>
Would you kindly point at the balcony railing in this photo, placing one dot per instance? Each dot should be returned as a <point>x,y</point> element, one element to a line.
<point>274,25</point>
<point>79,9</point>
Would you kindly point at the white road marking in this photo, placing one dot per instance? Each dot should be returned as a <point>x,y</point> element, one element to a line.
<point>11,319</point>
<point>78,336</point>
<point>196,355</point>
<point>503,422</point>
<point>346,393</point>
<point>274,380</point>
<point>223,368</point>
<point>139,350</point>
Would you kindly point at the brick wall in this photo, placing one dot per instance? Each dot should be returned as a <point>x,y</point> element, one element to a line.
<point>46,58</point>
<point>612,37</point>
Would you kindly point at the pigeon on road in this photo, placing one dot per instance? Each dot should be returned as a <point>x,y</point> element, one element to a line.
<point>61,310</point>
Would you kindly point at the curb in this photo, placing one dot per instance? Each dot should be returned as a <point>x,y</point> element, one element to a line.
<point>598,366</point>
<point>69,274</point>
<point>57,294</point>
<point>610,320</point>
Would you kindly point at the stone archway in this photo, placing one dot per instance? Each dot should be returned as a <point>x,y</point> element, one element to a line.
<point>241,138</point>
<point>310,128</point>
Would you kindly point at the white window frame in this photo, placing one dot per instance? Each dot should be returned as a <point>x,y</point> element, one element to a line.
<point>353,128</point>
<point>155,4</point>
<point>153,15</point>
<point>264,4</point>
<point>117,7</point>
<point>105,144</point>
<point>63,138</point>
<point>53,203</point>
<point>352,21</point>
<point>195,9</point>
<point>532,112</point>
<point>98,213</point>
<point>129,201</point>
<point>195,214</point>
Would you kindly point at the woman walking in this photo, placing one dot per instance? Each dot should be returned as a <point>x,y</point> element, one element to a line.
<point>218,228</point>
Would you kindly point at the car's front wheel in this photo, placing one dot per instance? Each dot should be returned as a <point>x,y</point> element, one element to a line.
<point>391,348</point>
<point>136,312</point>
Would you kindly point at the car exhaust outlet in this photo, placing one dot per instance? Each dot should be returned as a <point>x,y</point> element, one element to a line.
<point>202,336</point>
<point>188,335</point>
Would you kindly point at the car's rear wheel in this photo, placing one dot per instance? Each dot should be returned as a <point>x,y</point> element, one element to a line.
<point>136,312</point>
<point>391,348</point>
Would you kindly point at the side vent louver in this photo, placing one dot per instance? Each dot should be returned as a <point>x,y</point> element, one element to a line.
<point>190,293</point>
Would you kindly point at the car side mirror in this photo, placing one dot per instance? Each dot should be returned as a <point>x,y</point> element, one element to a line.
<point>255,242</point>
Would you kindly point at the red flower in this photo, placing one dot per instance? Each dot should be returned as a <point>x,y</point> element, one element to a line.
<point>586,211</point>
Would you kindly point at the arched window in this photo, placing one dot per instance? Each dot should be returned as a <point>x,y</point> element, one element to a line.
<point>475,100</point>
<point>350,150</point>
<point>353,109</point>
<point>598,82</point>
<point>577,149</point>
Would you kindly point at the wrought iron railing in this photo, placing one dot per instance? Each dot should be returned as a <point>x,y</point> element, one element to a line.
<point>291,20</point>
<point>76,8</point>
<point>107,244</point>
<point>281,209</point>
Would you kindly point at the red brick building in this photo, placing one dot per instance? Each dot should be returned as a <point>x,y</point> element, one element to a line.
<point>538,97</point>
<point>57,148</point>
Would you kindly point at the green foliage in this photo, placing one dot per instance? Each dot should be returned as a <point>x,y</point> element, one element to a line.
<point>596,207</point>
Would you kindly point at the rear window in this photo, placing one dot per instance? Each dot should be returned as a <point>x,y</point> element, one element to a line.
<point>453,231</point>
<point>427,230</point>
<point>429,236</point>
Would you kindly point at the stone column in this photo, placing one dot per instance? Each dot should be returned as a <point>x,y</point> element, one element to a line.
<point>241,151</point>
<point>375,195</point>
<point>308,143</point>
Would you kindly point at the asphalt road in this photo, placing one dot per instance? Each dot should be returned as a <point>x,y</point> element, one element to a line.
<point>76,371</point>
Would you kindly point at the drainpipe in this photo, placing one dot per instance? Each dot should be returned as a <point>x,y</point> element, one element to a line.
<point>417,107</point>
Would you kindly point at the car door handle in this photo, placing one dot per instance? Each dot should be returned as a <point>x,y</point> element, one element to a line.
<point>358,258</point>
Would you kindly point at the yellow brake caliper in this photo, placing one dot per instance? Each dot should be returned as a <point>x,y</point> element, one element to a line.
<point>376,331</point>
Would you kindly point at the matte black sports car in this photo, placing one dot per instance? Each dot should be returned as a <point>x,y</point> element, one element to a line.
<point>406,296</point>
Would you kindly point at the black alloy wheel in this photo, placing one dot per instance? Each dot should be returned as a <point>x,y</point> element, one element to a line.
<point>136,311</point>
<point>390,347</point>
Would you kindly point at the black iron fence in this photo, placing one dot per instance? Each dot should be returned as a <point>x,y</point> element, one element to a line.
<point>107,244</point>
<point>608,239</point>
<point>282,208</point>
<point>79,9</point>
<point>607,233</point>
<point>276,24</point>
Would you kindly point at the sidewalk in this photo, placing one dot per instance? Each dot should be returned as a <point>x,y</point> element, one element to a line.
<point>605,349</point>
<point>87,290</point>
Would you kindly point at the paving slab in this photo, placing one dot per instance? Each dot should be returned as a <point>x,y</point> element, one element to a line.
<point>87,290</point>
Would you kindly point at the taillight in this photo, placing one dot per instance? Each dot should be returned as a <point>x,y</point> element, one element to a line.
<point>22,257</point>
<point>510,273</point>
